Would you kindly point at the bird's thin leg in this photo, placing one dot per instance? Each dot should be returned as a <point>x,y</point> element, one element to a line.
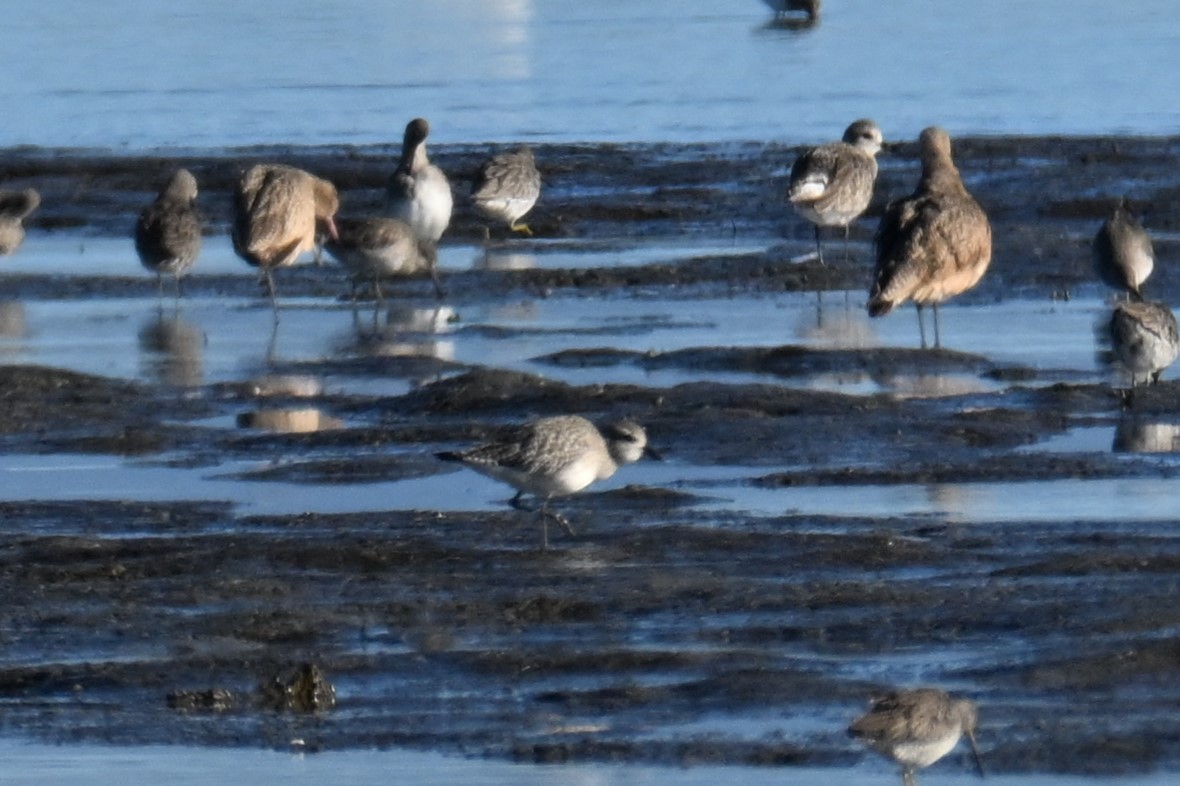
<point>522,228</point>
<point>937,337</point>
<point>377,289</point>
<point>921,324</point>
<point>177,279</point>
<point>160,287</point>
<point>847,256</point>
<point>907,777</point>
<point>818,248</point>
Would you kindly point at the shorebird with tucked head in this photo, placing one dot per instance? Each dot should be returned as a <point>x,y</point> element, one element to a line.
<point>1122,253</point>
<point>935,243</point>
<point>15,207</point>
<point>916,728</point>
<point>277,210</point>
<point>832,185</point>
<point>418,192</point>
<point>376,248</point>
<point>507,187</point>
<point>555,457</point>
<point>168,233</point>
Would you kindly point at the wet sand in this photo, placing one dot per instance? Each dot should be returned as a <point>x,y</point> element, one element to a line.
<point>665,631</point>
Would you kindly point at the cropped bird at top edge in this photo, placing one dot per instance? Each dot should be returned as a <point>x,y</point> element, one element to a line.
<point>507,187</point>
<point>168,232</point>
<point>1122,253</point>
<point>15,207</point>
<point>554,457</point>
<point>935,243</point>
<point>277,210</point>
<point>916,728</point>
<point>372,249</point>
<point>418,191</point>
<point>832,185</point>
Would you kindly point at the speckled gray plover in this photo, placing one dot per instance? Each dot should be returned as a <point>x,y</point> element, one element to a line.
<point>917,727</point>
<point>277,210</point>
<point>1122,252</point>
<point>375,248</point>
<point>168,233</point>
<point>507,187</point>
<point>15,207</point>
<point>554,457</point>
<point>419,193</point>
<point>832,185</point>
<point>935,243</point>
<point>1144,339</point>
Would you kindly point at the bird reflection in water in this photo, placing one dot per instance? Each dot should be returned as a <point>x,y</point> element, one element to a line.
<point>1134,435</point>
<point>403,331</point>
<point>493,258</point>
<point>172,350</point>
<point>293,420</point>
<point>13,327</point>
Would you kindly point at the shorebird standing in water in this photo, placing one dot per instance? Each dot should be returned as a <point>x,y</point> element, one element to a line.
<point>1145,339</point>
<point>1123,257</point>
<point>276,212</point>
<point>419,193</point>
<point>507,187</point>
<point>832,185</point>
<point>168,233</point>
<point>376,248</point>
<point>15,207</point>
<point>916,728</point>
<point>935,243</point>
<point>555,457</point>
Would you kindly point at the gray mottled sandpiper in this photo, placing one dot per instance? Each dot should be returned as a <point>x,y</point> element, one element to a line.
<point>1122,253</point>
<point>507,187</point>
<point>168,233</point>
<point>1144,338</point>
<point>376,248</point>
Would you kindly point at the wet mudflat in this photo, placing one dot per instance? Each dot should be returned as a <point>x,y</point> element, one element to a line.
<point>196,503</point>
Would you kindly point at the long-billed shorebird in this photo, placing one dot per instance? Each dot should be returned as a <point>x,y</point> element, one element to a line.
<point>418,192</point>
<point>1122,253</point>
<point>277,210</point>
<point>917,727</point>
<point>376,248</point>
<point>15,207</point>
<point>832,185</point>
<point>507,187</point>
<point>1144,338</point>
<point>935,243</point>
<point>555,457</point>
<point>168,233</point>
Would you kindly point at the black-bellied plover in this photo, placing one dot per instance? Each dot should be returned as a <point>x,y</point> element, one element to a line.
<point>1144,338</point>
<point>935,243</point>
<point>277,210</point>
<point>15,207</point>
<point>419,193</point>
<point>507,187</point>
<point>1122,252</point>
<point>832,185</point>
<point>376,248</point>
<point>168,233</point>
<point>554,457</point>
<point>917,727</point>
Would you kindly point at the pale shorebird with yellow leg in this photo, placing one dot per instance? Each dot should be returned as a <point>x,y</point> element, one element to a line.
<point>168,233</point>
<point>277,210</point>
<point>507,187</point>
<point>916,728</point>
<point>832,185</point>
<point>372,249</point>
<point>15,207</point>
<point>555,457</point>
<point>1122,252</point>
<point>935,243</point>
<point>418,192</point>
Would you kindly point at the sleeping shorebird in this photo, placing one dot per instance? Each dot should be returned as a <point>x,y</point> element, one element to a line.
<point>1144,338</point>
<point>832,185</point>
<point>1122,252</point>
<point>376,248</point>
<point>419,193</point>
<point>507,187</point>
<point>916,728</point>
<point>276,212</point>
<point>554,457</point>
<point>168,233</point>
<point>935,243</point>
<point>15,207</point>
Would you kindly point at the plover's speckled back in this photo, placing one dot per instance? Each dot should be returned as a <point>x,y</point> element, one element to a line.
<point>276,212</point>
<point>419,193</point>
<point>15,207</point>
<point>168,233</point>
<point>1144,338</point>
<point>832,185</point>
<point>917,727</point>
<point>1123,257</point>
<point>935,243</point>
<point>376,248</point>
<point>507,187</point>
<point>556,456</point>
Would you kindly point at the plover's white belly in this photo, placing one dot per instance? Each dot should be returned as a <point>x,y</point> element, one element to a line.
<point>925,753</point>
